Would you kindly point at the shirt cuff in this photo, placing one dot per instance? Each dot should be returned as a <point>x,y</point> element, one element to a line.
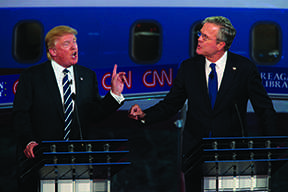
<point>118,98</point>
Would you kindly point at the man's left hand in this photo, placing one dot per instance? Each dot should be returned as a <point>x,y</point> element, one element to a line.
<point>117,81</point>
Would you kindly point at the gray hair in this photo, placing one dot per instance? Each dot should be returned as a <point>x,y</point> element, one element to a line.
<point>226,33</point>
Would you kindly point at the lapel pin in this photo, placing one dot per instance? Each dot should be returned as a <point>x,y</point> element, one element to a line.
<point>234,68</point>
<point>81,78</point>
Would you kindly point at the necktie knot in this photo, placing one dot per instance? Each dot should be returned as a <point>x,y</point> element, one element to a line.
<point>213,68</point>
<point>212,65</point>
<point>213,71</point>
<point>65,71</point>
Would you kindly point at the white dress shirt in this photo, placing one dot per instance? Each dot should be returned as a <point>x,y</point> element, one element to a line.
<point>58,71</point>
<point>220,67</point>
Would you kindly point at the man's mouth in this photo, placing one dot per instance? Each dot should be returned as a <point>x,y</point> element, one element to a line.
<point>74,54</point>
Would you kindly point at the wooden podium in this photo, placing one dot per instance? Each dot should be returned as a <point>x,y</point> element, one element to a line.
<point>238,163</point>
<point>76,160</point>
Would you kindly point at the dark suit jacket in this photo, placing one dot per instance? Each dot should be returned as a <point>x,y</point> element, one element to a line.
<point>38,109</point>
<point>241,81</point>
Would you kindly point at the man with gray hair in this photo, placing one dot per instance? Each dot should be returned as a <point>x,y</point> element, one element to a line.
<point>217,85</point>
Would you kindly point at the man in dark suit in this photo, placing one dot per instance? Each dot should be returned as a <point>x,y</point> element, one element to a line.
<point>238,81</point>
<point>38,110</point>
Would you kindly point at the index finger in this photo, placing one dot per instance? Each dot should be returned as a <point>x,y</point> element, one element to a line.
<point>114,70</point>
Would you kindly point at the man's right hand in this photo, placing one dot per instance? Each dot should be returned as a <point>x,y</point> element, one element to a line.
<point>136,113</point>
<point>29,150</point>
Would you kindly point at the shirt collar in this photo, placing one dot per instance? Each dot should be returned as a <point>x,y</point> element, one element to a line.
<point>220,63</point>
<point>58,68</point>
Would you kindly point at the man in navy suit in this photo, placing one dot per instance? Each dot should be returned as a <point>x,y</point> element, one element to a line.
<point>38,105</point>
<point>238,81</point>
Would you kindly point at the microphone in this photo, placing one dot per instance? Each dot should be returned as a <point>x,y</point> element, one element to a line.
<point>76,114</point>
<point>240,119</point>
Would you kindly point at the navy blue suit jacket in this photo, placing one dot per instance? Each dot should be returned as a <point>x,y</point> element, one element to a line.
<point>38,109</point>
<point>241,82</point>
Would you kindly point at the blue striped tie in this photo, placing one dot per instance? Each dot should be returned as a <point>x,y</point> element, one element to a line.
<point>68,106</point>
<point>213,84</point>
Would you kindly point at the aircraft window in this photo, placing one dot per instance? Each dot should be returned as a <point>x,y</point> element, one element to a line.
<point>194,37</point>
<point>27,42</point>
<point>266,43</point>
<point>146,42</point>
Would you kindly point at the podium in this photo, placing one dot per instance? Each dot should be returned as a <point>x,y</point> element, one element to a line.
<point>238,163</point>
<point>75,164</point>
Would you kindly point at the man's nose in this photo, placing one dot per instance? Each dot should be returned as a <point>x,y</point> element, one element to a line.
<point>74,46</point>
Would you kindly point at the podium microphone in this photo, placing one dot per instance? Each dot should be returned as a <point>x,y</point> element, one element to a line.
<point>77,114</point>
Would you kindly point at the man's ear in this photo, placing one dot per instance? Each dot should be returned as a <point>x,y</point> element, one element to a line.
<point>221,45</point>
<point>52,52</point>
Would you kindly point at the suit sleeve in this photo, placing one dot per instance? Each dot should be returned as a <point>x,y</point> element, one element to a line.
<point>261,102</point>
<point>173,101</point>
<point>21,110</point>
<point>100,107</point>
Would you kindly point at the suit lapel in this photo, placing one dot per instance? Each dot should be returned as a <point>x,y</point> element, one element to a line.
<point>52,86</point>
<point>227,80</point>
<point>79,77</point>
<point>203,81</point>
